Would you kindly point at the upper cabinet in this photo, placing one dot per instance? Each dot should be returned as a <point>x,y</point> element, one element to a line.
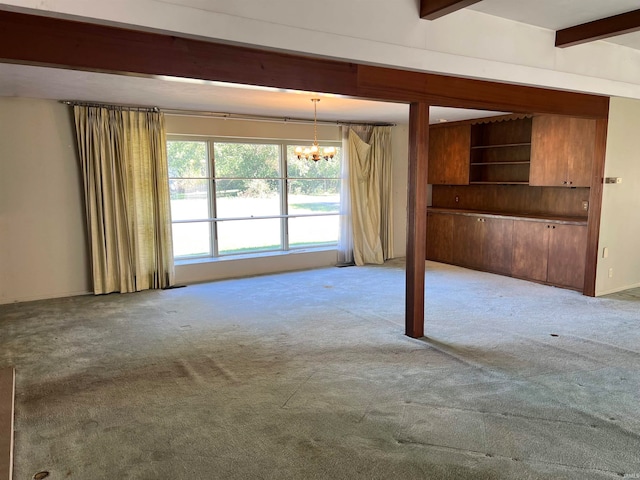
<point>562,151</point>
<point>449,149</point>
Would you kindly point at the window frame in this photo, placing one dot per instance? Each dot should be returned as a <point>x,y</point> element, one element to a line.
<point>283,181</point>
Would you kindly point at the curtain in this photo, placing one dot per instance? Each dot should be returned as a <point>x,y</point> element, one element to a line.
<point>124,166</point>
<point>345,237</point>
<point>369,158</point>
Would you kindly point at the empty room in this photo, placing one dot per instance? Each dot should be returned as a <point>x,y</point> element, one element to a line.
<point>293,240</point>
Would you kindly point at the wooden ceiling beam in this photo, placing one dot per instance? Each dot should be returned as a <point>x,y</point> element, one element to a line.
<point>432,9</point>
<point>598,29</point>
<point>53,42</point>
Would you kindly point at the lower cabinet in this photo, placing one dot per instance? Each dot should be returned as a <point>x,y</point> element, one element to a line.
<point>440,237</point>
<point>550,253</point>
<point>483,242</point>
<point>547,252</point>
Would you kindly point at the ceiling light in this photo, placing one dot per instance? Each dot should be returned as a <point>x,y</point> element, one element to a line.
<point>313,153</point>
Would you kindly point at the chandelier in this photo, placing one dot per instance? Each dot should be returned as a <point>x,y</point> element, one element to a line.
<point>313,152</point>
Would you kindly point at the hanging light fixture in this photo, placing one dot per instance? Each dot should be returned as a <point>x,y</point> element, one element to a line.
<point>313,152</point>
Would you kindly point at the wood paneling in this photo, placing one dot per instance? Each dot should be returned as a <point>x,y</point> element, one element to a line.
<point>598,29</point>
<point>467,241</point>
<point>7,397</point>
<point>567,248</point>
<point>552,201</point>
<point>595,200</point>
<point>439,237</point>
<point>416,218</point>
<point>449,155</point>
<point>497,245</point>
<point>530,250</point>
<point>432,9</point>
<point>562,151</point>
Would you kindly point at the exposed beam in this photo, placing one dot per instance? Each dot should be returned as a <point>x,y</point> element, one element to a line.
<point>37,40</point>
<point>432,9</point>
<point>416,218</point>
<point>598,29</point>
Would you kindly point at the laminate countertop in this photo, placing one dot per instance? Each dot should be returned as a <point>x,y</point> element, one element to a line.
<point>530,217</point>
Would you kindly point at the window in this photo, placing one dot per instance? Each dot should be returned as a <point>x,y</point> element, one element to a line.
<point>230,197</point>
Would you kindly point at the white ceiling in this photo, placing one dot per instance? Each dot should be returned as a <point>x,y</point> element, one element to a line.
<point>559,14</point>
<point>172,93</point>
<point>203,96</point>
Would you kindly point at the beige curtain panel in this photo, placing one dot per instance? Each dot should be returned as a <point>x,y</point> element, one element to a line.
<point>124,166</point>
<point>370,189</point>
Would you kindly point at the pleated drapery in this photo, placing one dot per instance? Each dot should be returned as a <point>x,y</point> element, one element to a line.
<point>124,166</point>
<point>369,159</point>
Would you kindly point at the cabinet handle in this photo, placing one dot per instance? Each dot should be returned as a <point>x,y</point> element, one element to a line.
<point>548,226</point>
<point>564,183</point>
<point>570,183</point>
<point>553,227</point>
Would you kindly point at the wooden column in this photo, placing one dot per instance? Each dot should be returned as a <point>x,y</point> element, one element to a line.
<point>416,218</point>
<point>595,209</point>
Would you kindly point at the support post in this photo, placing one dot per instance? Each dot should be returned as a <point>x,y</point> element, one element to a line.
<point>416,218</point>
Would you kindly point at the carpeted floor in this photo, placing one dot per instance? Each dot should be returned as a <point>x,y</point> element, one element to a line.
<point>308,375</point>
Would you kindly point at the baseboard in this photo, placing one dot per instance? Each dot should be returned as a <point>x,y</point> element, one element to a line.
<point>33,298</point>
<point>617,290</point>
<point>7,405</point>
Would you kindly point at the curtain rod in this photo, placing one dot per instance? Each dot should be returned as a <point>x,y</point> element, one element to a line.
<point>223,115</point>
<point>265,118</point>
<point>110,106</point>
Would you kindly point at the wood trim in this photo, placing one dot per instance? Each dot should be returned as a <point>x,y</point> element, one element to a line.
<point>598,29</point>
<point>595,209</point>
<point>478,121</point>
<point>7,405</point>
<point>444,91</point>
<point>432,9</point>
<point>417,218</point>
<point>36,40</point>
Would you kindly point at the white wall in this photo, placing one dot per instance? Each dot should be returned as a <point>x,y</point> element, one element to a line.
<point>465,43</point>
<point>620,223</point>
<point>43,252</point>
<point>200,271</point>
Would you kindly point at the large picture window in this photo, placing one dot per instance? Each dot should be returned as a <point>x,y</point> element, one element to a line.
<point>230,197</point>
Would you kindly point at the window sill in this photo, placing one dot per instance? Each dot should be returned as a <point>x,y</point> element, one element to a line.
<point>249,256</point>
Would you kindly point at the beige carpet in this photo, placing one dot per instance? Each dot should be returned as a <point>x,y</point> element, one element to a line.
<point>307,375</point>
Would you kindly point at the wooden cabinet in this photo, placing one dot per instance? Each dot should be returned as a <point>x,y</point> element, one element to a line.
<point>440,237</point>
<point>562,151</point>
<point>550,253</point>
<point>483,242</point>
<point>449,149</point>
<point>547,252</point>
<point>567,252</point>
<point>467,241</point>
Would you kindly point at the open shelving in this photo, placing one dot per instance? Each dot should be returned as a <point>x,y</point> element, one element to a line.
<point>500,153</point>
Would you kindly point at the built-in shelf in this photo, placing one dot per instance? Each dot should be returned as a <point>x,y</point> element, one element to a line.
<point>502,145</point>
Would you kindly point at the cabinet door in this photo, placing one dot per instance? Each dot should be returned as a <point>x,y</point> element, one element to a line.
<point>581,133</point>
<point>449,152</point>
<point>562,150</point>
<point>467,241</point>
<point>530,250</point>
<point>440,237</point>
<point>497,245</point>
<point>567,252</point>
<point>549,151</point>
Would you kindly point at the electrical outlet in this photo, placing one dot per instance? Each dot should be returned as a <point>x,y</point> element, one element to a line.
<point>585,205</point>
<point>611,272</point>
<point>457,198</point>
